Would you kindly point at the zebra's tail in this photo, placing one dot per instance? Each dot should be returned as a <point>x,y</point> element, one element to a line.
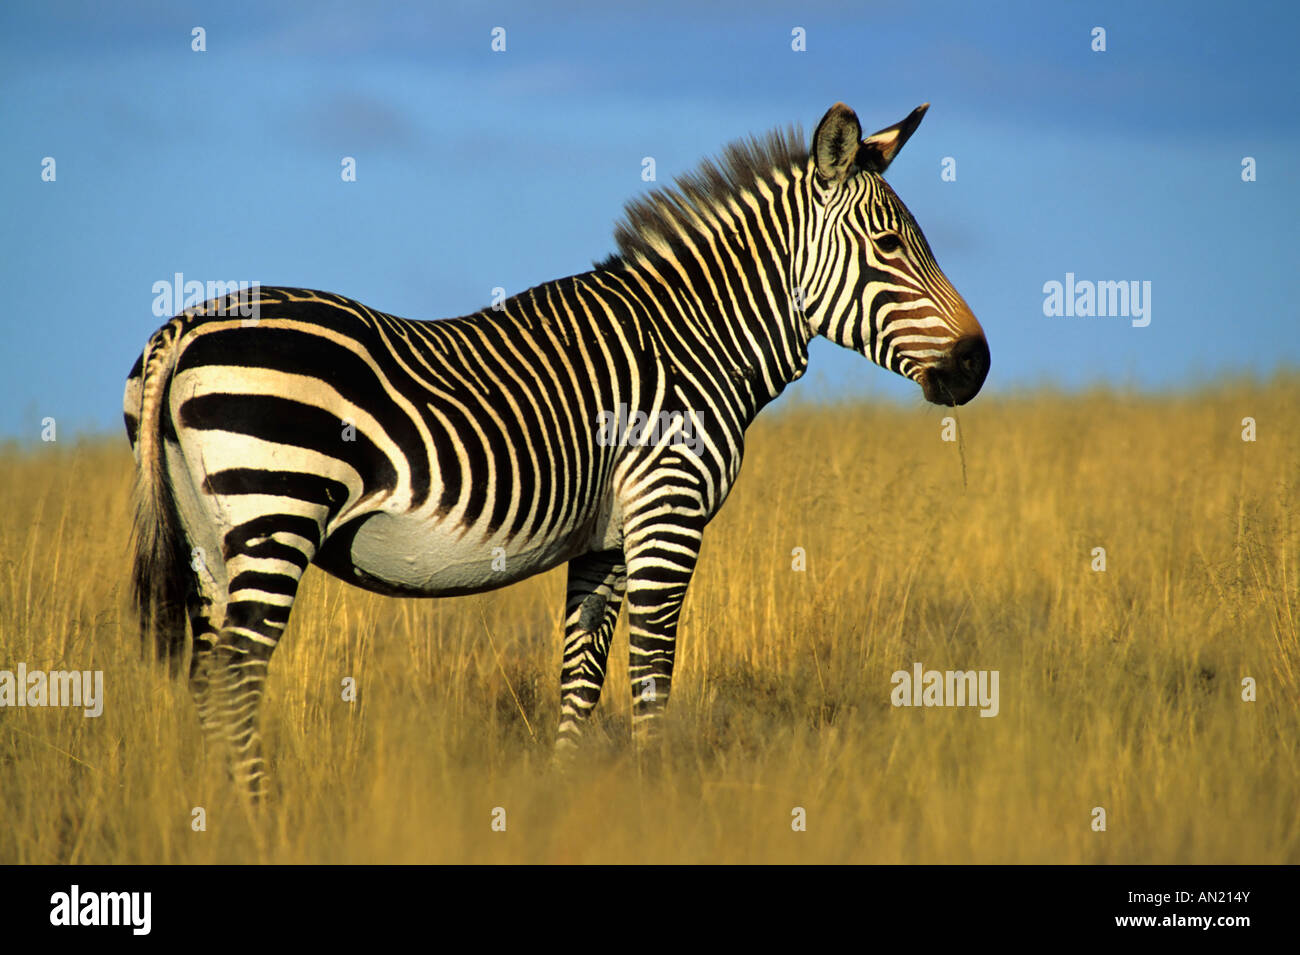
<point>159,574</point>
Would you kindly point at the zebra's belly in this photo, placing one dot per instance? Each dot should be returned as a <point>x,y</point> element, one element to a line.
<point>406,555</point>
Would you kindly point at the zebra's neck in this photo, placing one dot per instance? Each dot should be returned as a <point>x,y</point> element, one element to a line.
<point>724,286</point>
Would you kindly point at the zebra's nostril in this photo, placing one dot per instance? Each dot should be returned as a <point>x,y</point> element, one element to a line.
<point>971,357</point>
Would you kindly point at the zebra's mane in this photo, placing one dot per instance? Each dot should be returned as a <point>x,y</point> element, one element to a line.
<point>657,218</point>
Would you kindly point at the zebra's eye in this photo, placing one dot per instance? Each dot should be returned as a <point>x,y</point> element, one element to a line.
<point>889,242</point>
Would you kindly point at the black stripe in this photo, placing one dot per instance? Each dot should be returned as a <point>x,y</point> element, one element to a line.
<point>270,583</point>
<point>284,421</point>
<point>295,484</point>
<point>238,538</point>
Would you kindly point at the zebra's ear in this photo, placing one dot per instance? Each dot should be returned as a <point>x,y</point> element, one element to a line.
<point>879,149</point>
<point>835,144</point>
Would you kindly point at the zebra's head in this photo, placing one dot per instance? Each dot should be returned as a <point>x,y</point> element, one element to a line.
<point>870,281</point>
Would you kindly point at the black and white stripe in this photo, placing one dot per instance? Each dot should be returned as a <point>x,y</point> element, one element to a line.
<point>413,458</point>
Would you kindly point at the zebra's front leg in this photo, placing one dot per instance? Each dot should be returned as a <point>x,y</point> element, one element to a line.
<point>660,562</point>
<point>597,582</point>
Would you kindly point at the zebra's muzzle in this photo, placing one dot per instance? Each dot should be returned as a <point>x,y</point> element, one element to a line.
<point>959,377</point>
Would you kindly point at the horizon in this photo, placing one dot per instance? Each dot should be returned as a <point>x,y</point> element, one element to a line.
<point>909,401</point>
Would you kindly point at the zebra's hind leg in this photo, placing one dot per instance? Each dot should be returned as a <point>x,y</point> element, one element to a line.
<point>264,569</point>
<point>597,582</point>
<point>237,677</point>
<point>206,614</point>
<point>205,604</point>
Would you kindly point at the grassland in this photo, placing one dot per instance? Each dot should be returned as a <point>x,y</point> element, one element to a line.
<point>1120,689</point>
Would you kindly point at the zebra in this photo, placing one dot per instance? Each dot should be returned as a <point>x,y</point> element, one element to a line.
<point>455,456</point>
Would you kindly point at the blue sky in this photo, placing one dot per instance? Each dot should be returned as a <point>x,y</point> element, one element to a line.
<point>478,169</point>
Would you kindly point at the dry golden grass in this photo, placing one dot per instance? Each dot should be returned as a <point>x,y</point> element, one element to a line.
<point>1119,689</point>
